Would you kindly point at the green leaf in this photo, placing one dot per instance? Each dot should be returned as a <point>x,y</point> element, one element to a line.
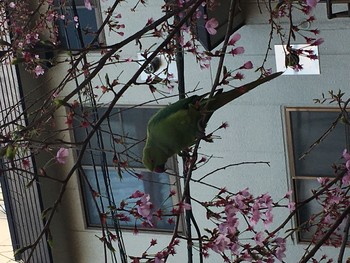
<point>344,120</point>
<point>11,152</point>
<point>49,239</point>
<point>156,80</point>
<point>59,102</point>
<point>224,70</point>
<point>17,61</point>
<point>109,245</point>
<point>21,250</point>
<point>107,79</point>
<point>30,183</point>
<point>45,212</point>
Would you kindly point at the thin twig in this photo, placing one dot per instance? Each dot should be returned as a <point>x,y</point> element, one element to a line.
<point>330,231</point>
<point>323,137</point>
<point>231,165</point>
<point>344,241</point>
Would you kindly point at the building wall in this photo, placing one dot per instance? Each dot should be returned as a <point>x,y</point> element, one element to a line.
<point>256,131</point>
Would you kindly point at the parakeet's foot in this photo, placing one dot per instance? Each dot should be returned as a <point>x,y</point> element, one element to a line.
<point>208,138</point>
<point>184,153</point>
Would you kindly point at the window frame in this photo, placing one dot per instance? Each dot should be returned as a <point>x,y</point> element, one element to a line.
<point>293,177</point>
<point>96,8</point>
<point>172,172</point>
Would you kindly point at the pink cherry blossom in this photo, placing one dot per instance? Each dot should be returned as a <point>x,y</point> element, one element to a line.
<point>322,180</point>
<point>234,39</point>
<point>317,42</point>
<point>346,179</point>
<point>335,199</point>
<point>259,238</point>
<point>281,248</point>
<point>220,243</point>
<point>237,51</point>
<point>288,194</point>
<point>184,206</point>
<point>39,70</point>
<point>25,163</point>
<point>87,4</point>
<point>61,156</point>
<point>159,258</point>
<point>238,76</point>
<point>145,207</point>
<point>255,215</point>
<point>137,194</point>
<point>291,206</point>
<point>269,219</point>
<point>247,65</point>
<point>229,227</point>
<point>346,156</point>
<point>312,3</point>
<point>211,26</point>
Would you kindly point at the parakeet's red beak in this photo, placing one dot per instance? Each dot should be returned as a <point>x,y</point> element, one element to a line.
<point>159,169</point>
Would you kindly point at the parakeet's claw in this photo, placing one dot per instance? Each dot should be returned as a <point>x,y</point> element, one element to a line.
<point>185,152</point>
<point>208,138</point>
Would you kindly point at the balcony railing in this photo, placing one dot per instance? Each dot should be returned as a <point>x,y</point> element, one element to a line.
<point>22,203</point>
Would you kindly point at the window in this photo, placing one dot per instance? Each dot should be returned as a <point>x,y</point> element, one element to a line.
<point>113,168</point>
<point>304,127</point>
<point>76,23</point>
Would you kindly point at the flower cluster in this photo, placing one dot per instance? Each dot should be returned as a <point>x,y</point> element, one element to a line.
<point>242,222</point>
<point>139,209</point>
<point>333,202</point>
<point>302,29</point>
<point>160,256</point>
<point>32,32</point>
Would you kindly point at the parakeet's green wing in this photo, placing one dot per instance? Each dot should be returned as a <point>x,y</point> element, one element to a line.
<point>183,104</point>
<point>176,126</point>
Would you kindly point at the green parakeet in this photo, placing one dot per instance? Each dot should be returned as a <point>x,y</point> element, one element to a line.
<point>178,125</point>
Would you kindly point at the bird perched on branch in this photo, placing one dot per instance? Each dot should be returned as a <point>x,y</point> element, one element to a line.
<point>180,124</point>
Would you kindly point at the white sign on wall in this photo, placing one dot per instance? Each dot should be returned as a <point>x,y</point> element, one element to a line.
<point>308,66</point>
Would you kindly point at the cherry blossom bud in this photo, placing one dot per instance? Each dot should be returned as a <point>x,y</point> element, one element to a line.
<point>247,65</point>
<point>39,70</point>
<point>61,156</point>
<point>211,26</point>
<point>234,39</point>
<point>312,3</point>
<point>237,51</point>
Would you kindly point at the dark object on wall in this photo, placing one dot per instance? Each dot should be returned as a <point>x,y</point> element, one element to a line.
<point>330,13</point>
<point>221,14</point>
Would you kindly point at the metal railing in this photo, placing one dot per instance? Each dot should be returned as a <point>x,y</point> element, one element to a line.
<point>22,202</point>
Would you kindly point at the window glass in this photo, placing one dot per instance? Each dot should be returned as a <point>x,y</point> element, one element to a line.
<point>304,127</point>
<point>88,21</point>
<point>157,185</point>
<point>307,127</point>
<point>112,167</point>
<point>124,133</point>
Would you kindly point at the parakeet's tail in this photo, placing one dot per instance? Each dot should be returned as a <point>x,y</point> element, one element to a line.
<point>222,98</point>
